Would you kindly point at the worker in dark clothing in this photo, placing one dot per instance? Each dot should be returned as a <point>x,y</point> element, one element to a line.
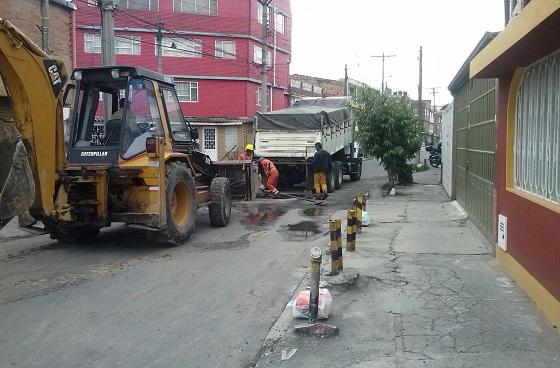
<point>322,166</point>
<point>272,176</point>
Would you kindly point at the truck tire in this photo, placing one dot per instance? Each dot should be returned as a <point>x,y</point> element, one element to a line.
<point>331,187</point>
<point>337,169</point>
<point>181,203</point>
<point>358,175</point>
<point>219,209</point>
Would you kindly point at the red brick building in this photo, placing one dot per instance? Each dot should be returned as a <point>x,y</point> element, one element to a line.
<point>211,48</point>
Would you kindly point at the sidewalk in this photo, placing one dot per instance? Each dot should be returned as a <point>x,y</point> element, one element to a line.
<point>429,294</point>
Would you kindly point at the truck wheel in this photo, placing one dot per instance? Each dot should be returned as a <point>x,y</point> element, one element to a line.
<point>181,203</point>
<point>358,175</point>
<point>331,186</point>
<point>220,202</point>
<point>337,169</point>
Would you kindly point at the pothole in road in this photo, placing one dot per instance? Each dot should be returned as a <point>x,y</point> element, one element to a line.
<point>302,231</point>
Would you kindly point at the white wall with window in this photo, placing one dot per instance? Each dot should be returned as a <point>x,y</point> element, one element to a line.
<point>139,4</point>
<point>225,49</point>
<point>201,7</point>
<point>536,148</point>
<point>124,45</point>
<point>180,47</point>
<point>187,91</point>
<point>257,55</point>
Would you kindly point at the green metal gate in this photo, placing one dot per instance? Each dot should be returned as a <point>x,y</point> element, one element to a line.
<point>475,149</point>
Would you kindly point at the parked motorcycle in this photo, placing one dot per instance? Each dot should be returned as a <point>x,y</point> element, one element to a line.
<point>435,155</point>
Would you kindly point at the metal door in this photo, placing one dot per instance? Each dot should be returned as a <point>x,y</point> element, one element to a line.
<point>475,169</point>
<point>210,146</point>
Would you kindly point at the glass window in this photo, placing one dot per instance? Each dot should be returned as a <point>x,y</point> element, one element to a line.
<point>260,12</point>
<point>139,4</point>
<point>537,130</point>
<point>225,49</point>
<point>92,43</point>
<point>142,117</point>
<point>259,96</point>
<point>187,91</point>
<point>174,113</point>
<point>180,47</point>
<point>257,55</point>
<point>124,45</point>
<point>280,23</point>
<point>202,7</point>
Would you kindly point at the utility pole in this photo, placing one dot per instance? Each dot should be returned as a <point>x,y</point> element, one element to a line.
<point>420,103</point>
<point>159,41</point>
<point>264,84</point>
<point>434,93</point>
<point>383,57</point>
<point>45,25</point>
<point>346,92</point>
<point>108,8</point>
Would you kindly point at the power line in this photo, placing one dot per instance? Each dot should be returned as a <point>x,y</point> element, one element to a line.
<point>383,57</point>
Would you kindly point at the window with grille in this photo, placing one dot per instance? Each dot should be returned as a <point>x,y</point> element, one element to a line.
<point>225,49</point>
<point>209,138</point>
<point>202,7</point>
<point>124,45</point>
<point>187,91</point>
<point>180,47</point>
<point>139,4</point>
<point>537,130</point>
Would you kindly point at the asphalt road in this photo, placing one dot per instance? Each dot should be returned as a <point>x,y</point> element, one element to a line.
<point>126,302</point>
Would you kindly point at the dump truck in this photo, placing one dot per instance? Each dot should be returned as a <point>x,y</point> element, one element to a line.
<point>130,156</point>
<point>288,137</point>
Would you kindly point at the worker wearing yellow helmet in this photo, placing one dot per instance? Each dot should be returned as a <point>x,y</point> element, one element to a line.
<point>247,154</point>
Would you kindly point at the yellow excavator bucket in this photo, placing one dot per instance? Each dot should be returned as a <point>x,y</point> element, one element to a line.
<point>31,144</point>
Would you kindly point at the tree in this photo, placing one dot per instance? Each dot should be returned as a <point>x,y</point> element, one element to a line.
<point>389,131</point>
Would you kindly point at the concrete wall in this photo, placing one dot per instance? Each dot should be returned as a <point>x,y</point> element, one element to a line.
<point>447,149</point>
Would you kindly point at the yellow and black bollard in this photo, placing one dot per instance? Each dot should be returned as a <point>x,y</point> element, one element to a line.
<point>316,257</point>
<point>336,252</point>
<point>351,231</point>
<point>339,244</point>
<point>358,206</point>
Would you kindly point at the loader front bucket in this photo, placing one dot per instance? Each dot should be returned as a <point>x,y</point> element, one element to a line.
<point>16,178</point>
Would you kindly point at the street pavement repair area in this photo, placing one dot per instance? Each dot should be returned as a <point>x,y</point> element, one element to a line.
<point>423,291</point>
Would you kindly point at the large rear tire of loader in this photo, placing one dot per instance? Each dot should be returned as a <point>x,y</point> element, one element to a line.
<point>181,203</point>
<point>337,169</point>
<point>219,208</point>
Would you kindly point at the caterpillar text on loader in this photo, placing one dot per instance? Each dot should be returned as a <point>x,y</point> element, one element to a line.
<point>135,163</point>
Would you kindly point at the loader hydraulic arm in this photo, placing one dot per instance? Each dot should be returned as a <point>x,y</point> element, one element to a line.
<point>32,146</point>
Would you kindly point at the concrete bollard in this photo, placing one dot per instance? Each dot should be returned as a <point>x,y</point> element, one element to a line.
<point>358,206</point>
<point>335,235</point>
<point>350,231</point>
<point>316,258</point>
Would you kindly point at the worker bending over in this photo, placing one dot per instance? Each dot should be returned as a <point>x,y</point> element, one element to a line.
<point>247,154</point>
<point>321,168</point>
<point>272,175</point>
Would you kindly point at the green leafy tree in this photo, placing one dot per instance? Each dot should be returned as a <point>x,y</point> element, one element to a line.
<point>389,131</point>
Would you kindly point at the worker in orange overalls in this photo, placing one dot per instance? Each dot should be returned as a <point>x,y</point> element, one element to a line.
<point>271,174</point>
<point>247,154</point>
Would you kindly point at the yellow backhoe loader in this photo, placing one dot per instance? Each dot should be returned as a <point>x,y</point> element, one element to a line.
<point>129,156</point>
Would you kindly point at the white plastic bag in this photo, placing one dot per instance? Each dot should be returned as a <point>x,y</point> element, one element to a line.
<point>300,306</point>
<point>365,218</point>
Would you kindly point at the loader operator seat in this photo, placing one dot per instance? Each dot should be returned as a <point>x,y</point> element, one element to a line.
<point>113,132</point>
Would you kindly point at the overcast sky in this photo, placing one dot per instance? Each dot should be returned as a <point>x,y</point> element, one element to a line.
<point>330,33</point>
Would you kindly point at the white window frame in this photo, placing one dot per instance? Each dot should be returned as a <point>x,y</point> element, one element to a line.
<point>184,47</point>
<point>257,55</point>
<point>221,53</point>
<point>190,86</point>
<point>536,147</point>
<point>95,40</point>
<point>125,4</point>
<point>258,96</point>
<point>280,26</point>
<point>196,11</point>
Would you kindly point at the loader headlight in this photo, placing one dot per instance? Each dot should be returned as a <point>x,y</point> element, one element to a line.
<point>78,75</point>
<point>115,73</point>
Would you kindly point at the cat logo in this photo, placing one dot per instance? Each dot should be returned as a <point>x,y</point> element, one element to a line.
<point>54,74</point>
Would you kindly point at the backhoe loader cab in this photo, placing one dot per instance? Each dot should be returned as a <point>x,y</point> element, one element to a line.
<point>131,158</point>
